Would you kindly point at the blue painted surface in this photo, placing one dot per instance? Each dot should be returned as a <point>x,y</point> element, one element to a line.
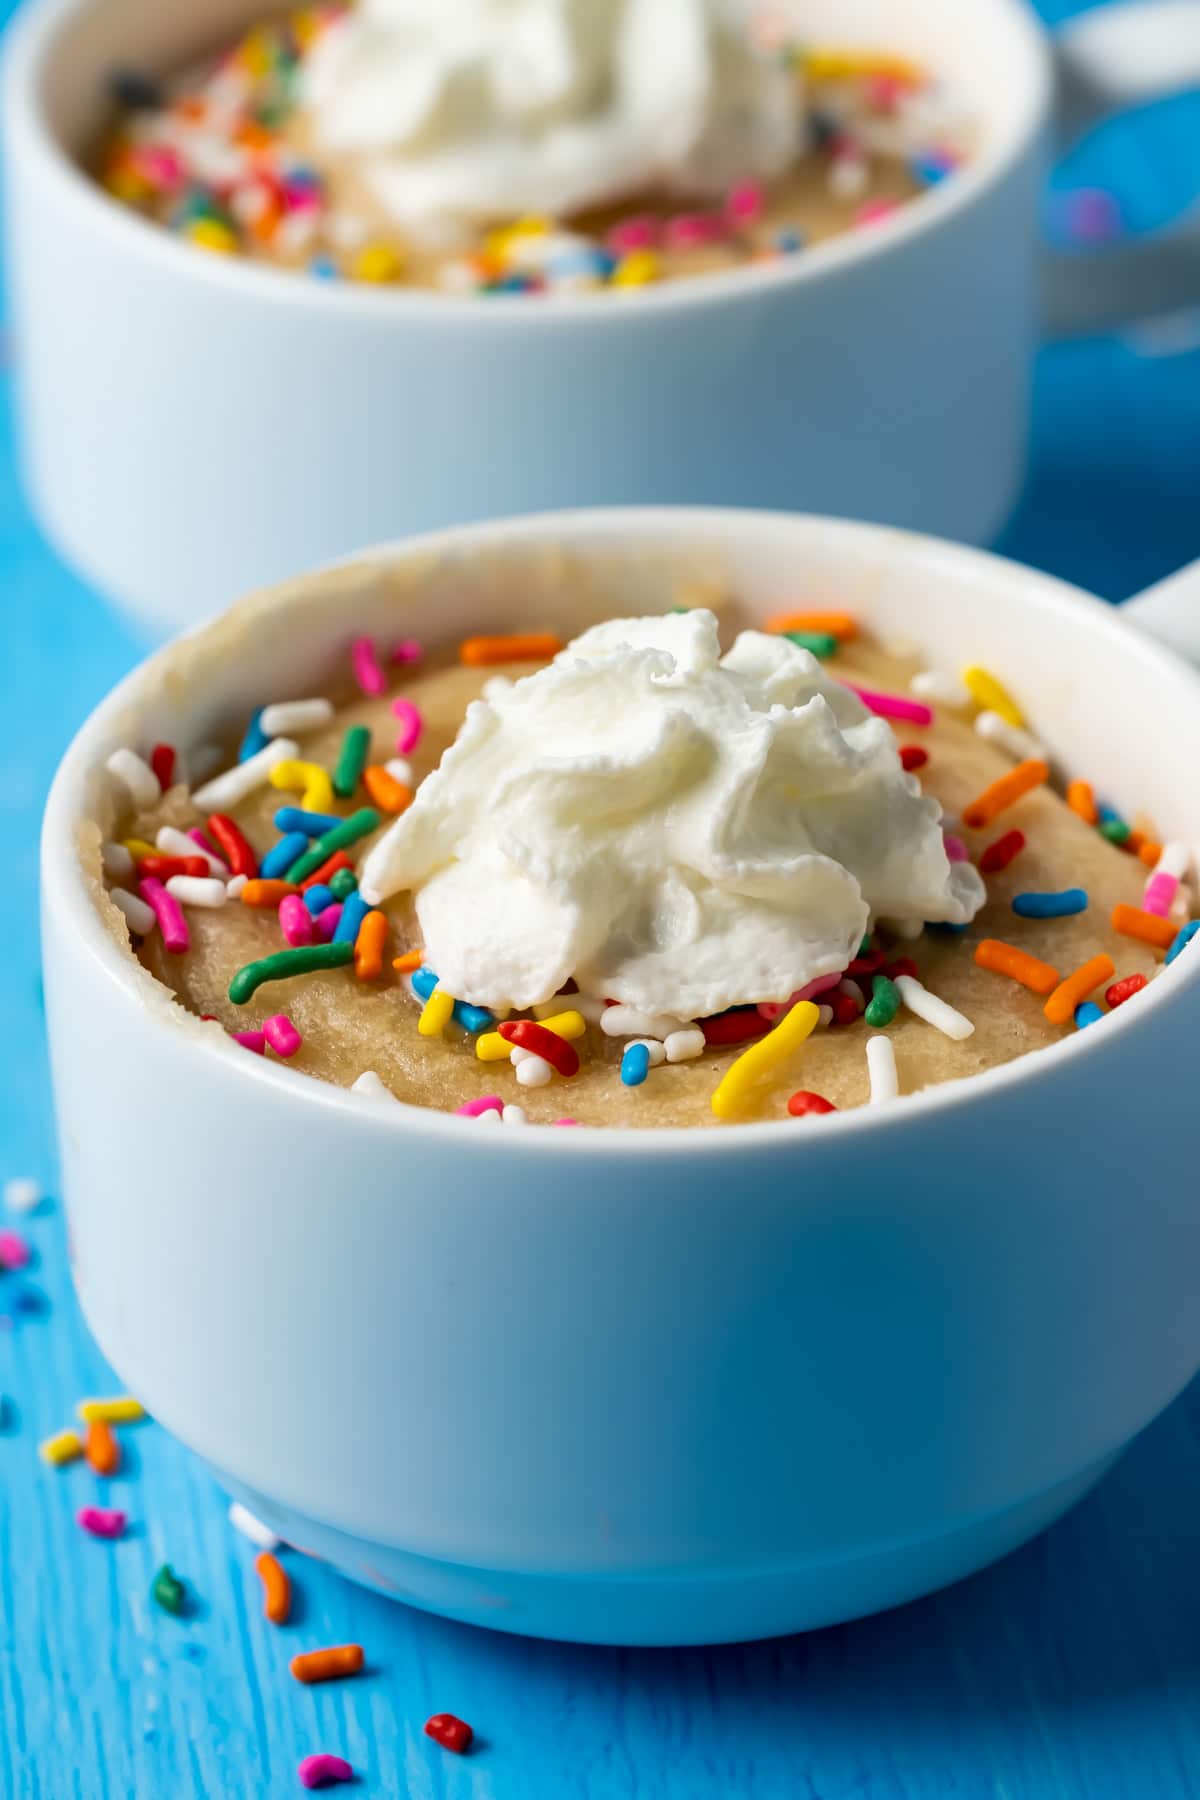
<point>1071,1669</point>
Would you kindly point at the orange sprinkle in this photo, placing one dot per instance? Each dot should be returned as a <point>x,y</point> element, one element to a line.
<point>101,1448</point>
<point>1081,800</point>
<point>1132,845</point>
<point>1060,1007</point>
<point>533,646</point>
<point>267,893</point>
<point>1006,959</point>
<point>410,961</point>
<point>1149,852</point>
<point>368,946</point>
<point>388,794</point>
<point>1004,792</point>
<point>833,624</point>
<point>277,1599</point>
<point>339,860</point>
<point>328,1665</point>
<point>1132,922</point>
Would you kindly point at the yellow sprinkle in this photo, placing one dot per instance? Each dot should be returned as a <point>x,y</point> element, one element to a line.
<point>733,1089</point>
<point>138,847</point>
<point>830,63</point>
<point>310,778</point>
<point>127,185</point>
<point>636,269</point>
<point>992,695</point>
<point>499,241</point>
<point>120,1409</point>
<point>564,1025</point>
<point>64,1447</point>
<point>491,1047</point>
<point>436,1013</point>
<point>379,263</point>
<point>211,234</point>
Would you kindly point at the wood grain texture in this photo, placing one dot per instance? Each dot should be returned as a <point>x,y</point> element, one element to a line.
<point>1069,1670</point>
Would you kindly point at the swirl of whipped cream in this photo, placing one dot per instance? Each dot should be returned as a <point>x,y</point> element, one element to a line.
<point>464,111</point>
<point>675,829</point>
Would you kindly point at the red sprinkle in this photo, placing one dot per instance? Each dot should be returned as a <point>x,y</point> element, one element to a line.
<point>913,756</point>
<point>903,965</point>
<point>162,761</point>
<point>845,1010</point>
<point>734,1027</point>
<point>233,846</point>
<point>339,860</point>
<point>803,1102</point>
<point>163,867</point>
<point>451,1733</point>
<point>1124,989</point>
<point>998,855</point>
<point>870,964</point>
<point>527,1034</point>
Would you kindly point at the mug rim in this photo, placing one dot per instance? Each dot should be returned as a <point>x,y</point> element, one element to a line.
<point>34,39</point>
<point>64,880</point>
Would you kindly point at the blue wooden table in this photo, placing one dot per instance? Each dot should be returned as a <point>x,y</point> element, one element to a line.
<point>1069,1670</point>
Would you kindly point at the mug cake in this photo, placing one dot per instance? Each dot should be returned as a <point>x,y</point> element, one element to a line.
<point>643,878</point>
<point>538,148</point>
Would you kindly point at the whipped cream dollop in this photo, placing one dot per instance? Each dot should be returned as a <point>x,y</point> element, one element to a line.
<point>676,829</point>
<point>464,111</point>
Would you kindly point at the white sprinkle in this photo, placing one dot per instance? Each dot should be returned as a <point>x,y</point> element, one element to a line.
<point>285,718</point>
<point>490,1117</point>
<point>517,1054</point>
<point>1175,860</point>
<point>626,1021</point>
<point>825,1016</point>
<point>197,890</point>
<point>243,1520</point>
<point>401,770</point>
<point>371,1087</point>
<point>935,1012</point>
<point>656,1051</point>
<point>22,1194</point>
<point>534,1072</point>
<point>234,886</point>
<point>1022,746</point>
<point>681,1046</point>
<point>881,1068</point>
<point>943,690</point>
<point>117,862</point>
<point>515,1115</point>
<point>235,784</point>
<point>136,776</point>
<point>138,916</point>
<point>849,177</point>
<point>178,843</point>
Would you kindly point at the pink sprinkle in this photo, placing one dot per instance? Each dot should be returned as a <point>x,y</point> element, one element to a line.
<point>411,726</point>
<point>251,1040</point>
<point>282,1035</point>
<point>327,922</point>
<point>367,672</point>
<point>892,706</point>
<point>14,1251</point>
<point>744,203</point>
<point>198,837</point>
<point>299,197</point>
<point>872,211</point>
<point>775,1009</point>
<point>884,93</point>
<point>161,167</point>
<point>956,850</point>
<point>640,233</point>
<point>168,912</point>
<point>473,1108</point>
<point>408,650</point>
<point>295,921</point>
<point>1160,891</point>
<point>690,231</point>
<point>322,1771</point>
<point>101,1521</point>
<point>564,1121</point>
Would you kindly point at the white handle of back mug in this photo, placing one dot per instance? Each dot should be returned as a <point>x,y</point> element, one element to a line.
<point>1111,59</point>
<point>1170,611</point>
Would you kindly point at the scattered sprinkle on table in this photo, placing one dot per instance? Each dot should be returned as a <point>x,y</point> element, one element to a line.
<point>168,1592</point>
<point>117,1409</point>
<point>332,1664</point>
<point>451,1732</point>
<point>102,1521</point>
<point>277,1588</point>
<point>323,1770</point>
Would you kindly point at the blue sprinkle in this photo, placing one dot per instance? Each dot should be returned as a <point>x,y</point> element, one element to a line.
<point>1086,1013</point>
<point>635,1065</point>
<point>318,898</point>
<point>1183,940</point>
<point>580,262</point>
<point>354,911</point>
<point>930,168</point>
<point>944,925</point>
<point>282,855</point>
<point>1050,906</point>
<point>424,981</point>
<point>788,241</point>
<point>473,1018</point>
<point>324,268</point>
<point>294,818</point>
<point>255,739</point>
<point>1109,816</point>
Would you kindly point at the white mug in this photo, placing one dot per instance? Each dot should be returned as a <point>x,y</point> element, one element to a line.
<point>193,426</point>
<point>667,1386</point>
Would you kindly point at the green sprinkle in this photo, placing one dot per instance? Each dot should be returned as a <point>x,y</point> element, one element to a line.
<point>352,760</point>
<point>678,609</point>
<point>821,643</point>
<point>169,1591</point>
<point>884,1003</point>
<point>1115,830</point>
<point>343,883</point>
<point>337,838</point>
<point>306,960</point>
<point>864,949</point>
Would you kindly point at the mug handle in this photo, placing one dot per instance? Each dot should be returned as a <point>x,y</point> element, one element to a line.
<point>1170,611</point>
<point>1110,60</point>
